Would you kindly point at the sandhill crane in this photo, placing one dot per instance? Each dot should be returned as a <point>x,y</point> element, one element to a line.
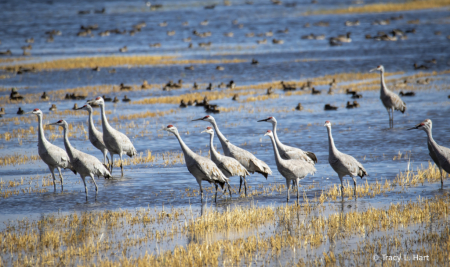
<point>343,164</point>
<point>53,156</point>
<point>84,164</point>
<point>228,165</point>
<point>439,154</point>
<point>288,152</point>
<point>115,141</point>
<point>291,169</point>
<point>247,159</point>
<point>390,100</point>
<point>203,169</point>
<point>95,136</point>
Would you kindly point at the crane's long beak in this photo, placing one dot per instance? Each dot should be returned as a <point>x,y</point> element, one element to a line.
<point>198,119</point>
<point>80,108</point>
<point>372,70</point>
<point>55,123</point>
<point>263,120</point>
<point>203,131</point>
<point>29,112</point>
<point>415,127</point>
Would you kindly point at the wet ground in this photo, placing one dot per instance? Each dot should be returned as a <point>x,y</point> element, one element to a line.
<point>362,132</point>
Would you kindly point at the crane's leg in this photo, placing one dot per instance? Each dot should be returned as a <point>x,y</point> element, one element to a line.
<point>354,189</point>
<point>112,162</point>
<point>201,189</point>
<point>215,198</point>
<point>297,181</point>
<point>85,187</point>
<point>245,186</point>
<point>121,163</point>
<point>53,175</point>
<point>288,185</point>
<point>240,184</point>
<point>442,179</point>
<point>389,113</point>
<point>392,117</point>
<point>93,180</point>
<point>342,185</point>
<point>229,189</point>
<point>61,177</point>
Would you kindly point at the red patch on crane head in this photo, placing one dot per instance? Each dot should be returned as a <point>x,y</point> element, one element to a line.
<point>270,118</point>
<point>84,106</point>
<point>60,121</point>
<point>422,124</point>
<point>379,66</point>
<point>327,122</point>
<point>208,128</point>
<point>269,131</point>
<point>169,126</point>
<point>98,98</point>
<point>207,116</point>
<point>36,109</point>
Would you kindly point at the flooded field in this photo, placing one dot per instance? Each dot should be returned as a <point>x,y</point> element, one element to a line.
<point>160,55</point>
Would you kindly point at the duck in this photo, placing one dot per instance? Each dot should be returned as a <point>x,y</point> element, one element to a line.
<point>287,87</point>
<point>255,62</point>
<point>191,103</point>
<point>75,106</point>
<point>277,41</point>
<point>203,103</point>
<point>344,38</point>
<point>423,81</point>
<point>171,33</point>
<point>220,68</point>
<point>15,95</point>
<point>189,67</point>
<point>357,96</point>
<point>270,91</point>
<point>186,23</point>
<point>195,86</point>
<point>235,97</point>
<point>107,99</point>
<point>420,67</point>
<point>330,107</point>
<point>155,45</point>
<point>210,87</point>
<point>351,23</point>
<point>145,85</point>
<point>115,99</point>
<point>263,41</point>
<point>23,70</point>
<point>29,40</point>
<point>75,97</point>
<point>306,86</point>
<point>299,106</point>
<point>349,91</point>
<point>333,83</point>
<point>163,24</point>
<point>125,87</point>
<point>123,49</point>
<point>381,22</point>
<point>432,61</point>
<point>402,84</point>
<point>204,23</point>
<point>286,30</point>
<point>20,111</point>
<point>355,104</point>
<point>96,68</point>
<point>407,93</point>
<point>228,34</point>
<point>6,53</point>
<point>187,40</point>
<point>222,85</point>
<point>350,105</point>
<point>100,11</point>
<point>231,84</point>
<point>322,24</point>
<point>330,91</point>
<point>183,104</point>
<point>250,34</point>
<point>112,71</point>
<point>2,111</point>
<point>53,108</point>
<point>126,99</point>
<point>44,96</point>
<point>315,92</point>
<point>211,109</point>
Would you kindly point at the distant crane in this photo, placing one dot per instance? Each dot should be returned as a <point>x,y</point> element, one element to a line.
<point>291,169</point>
<point>115,141</point>
<point>390,100</point>
<point>84,164</point>
<point>53,156</point>
<point>203,169</point>
<point>288,152</point>
<point>247,159</point>
<point>228,165</point>
<point>343,164</point>
<point>439,154</point>
<point>95,136</point>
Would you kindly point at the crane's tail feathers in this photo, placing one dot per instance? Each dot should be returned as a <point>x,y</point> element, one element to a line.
<point>263,173</point>
<point>311,156</point>
<point>362,173</point>
<point>221,184</point>
<point>107,175</point>
<point>74,171</point>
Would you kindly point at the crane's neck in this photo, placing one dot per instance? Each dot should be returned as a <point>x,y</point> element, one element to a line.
<point>332,148</point>
<point>214,154</point>
<point>430,139</point>
<point>105,124</point>
<point>275,150</point>
<point>279,144</point>
<point>41,136</point>
<point>91,122</point>
<point>222,139</point>
<point>67,145</point>
<point>188,153</point>
<point>383,83</point>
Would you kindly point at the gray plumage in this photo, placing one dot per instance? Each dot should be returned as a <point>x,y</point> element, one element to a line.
<point>203,169</point>
<point>343,164</point>
<point>115,141</point>
<point>439,154</point>
<point>95,136</point>
<point>228,165</point>
<point>247,159</point>
<point>291,169</point>
<point>84,164</point>
<point>390,100</point>
<point>289,152</point>
<point>53,156</point>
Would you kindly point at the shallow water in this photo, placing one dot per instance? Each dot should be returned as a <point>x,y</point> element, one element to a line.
<point>361,132</point>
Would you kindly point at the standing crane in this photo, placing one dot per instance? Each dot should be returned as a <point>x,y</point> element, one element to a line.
<point>53,156</point>
<point>115,141</point>
<point>439,154</point>
<point>390,100</point>
<point>247,159</point>
<point>343,164</point>
<point>203,169</point>
<point>84,164</point>
<point>288,152</point>
<point>95,136</point>
<point>228,165</point>
<point>291,169</point>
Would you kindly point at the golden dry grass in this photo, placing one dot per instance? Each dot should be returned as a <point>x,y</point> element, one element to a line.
<point>114,61</point>
<point>385,7</point>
